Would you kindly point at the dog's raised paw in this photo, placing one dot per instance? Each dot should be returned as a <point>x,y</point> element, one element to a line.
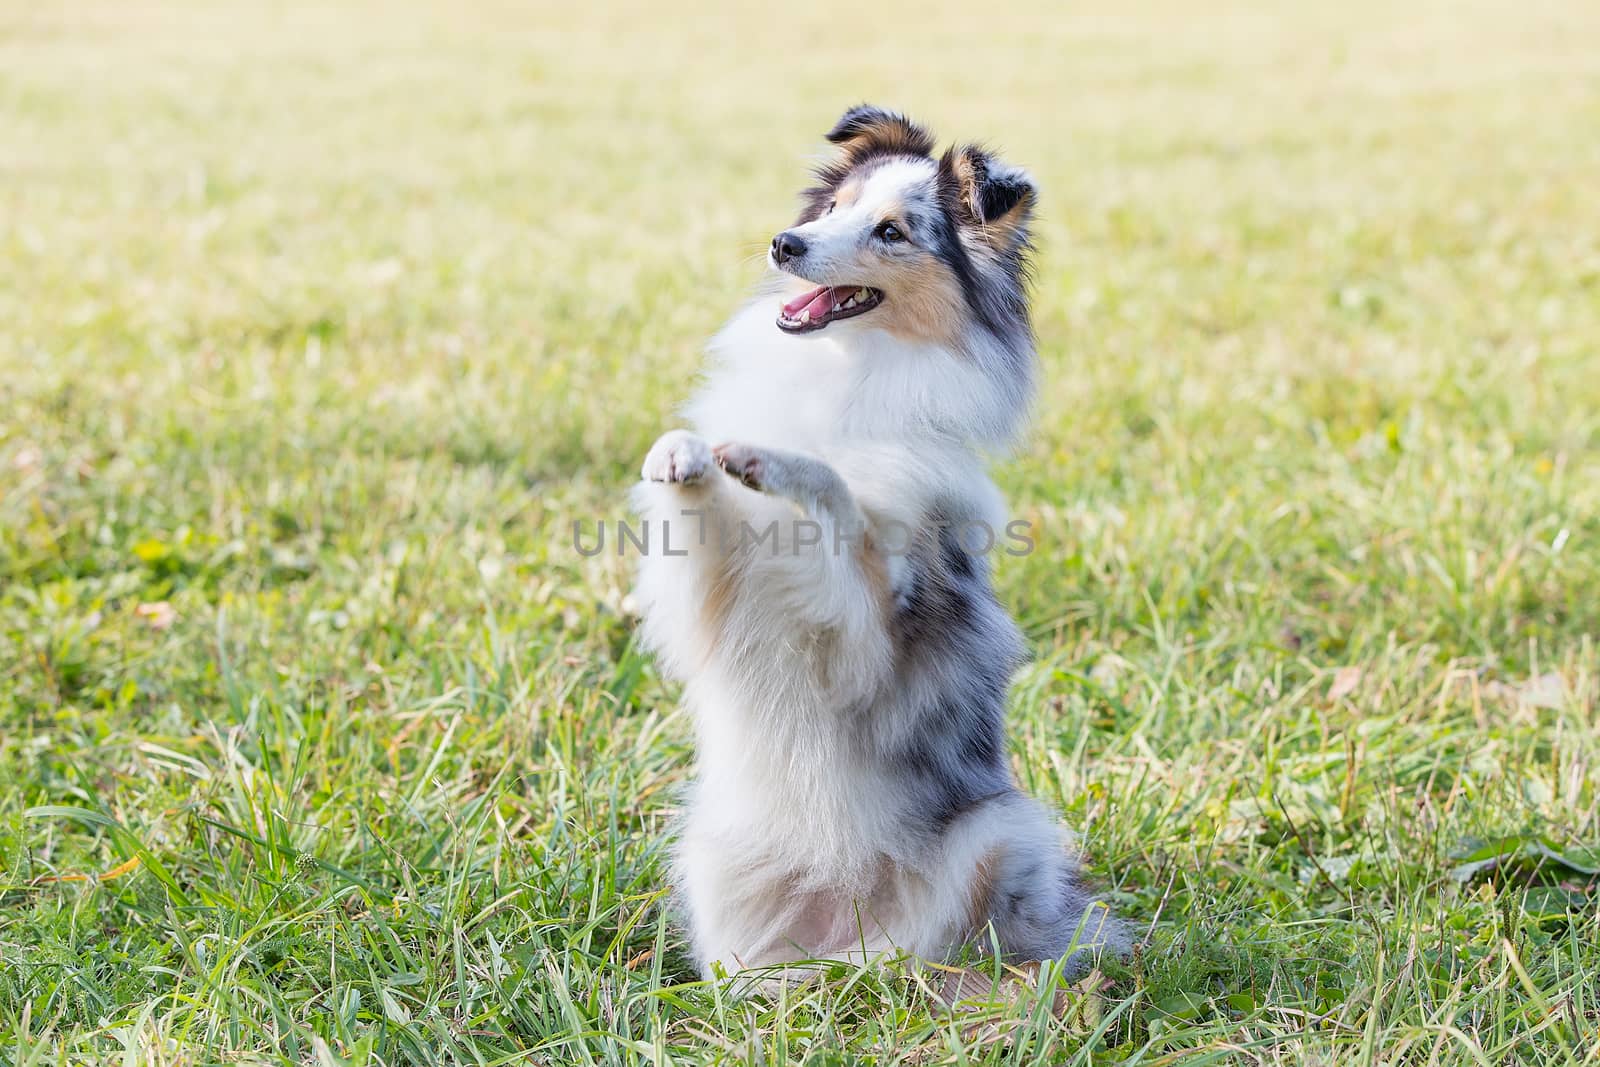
<point>742,462</point>
<point>677,457</point>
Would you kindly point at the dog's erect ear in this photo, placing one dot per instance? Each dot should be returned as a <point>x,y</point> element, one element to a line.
<point>989,195</point>
<point>862,133</point>
<point>866,130</point>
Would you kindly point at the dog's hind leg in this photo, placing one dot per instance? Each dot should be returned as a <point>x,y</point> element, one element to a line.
<point>1014,870</point>
<point>1003,873</point>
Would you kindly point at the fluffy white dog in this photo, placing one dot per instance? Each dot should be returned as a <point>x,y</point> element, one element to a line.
<point>827,599</point>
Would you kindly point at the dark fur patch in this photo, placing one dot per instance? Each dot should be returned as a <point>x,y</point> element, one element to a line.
<point>992,205</point>
<point>865,128</point>
<point>995,310</point>
<point>949,624</point>
<point>985,193</point>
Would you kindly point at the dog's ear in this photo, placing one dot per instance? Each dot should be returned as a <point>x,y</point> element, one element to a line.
<point>992,197</point>
<point>867,131</point>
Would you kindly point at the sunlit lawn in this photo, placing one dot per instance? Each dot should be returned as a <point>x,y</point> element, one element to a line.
<point>320,327</point>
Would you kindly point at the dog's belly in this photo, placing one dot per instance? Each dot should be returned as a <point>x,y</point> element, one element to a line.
<point>827,923</point>
<point>766,913</point>
<point>794,783</point>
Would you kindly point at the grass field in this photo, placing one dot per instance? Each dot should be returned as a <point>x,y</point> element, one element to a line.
<point>320,326</point>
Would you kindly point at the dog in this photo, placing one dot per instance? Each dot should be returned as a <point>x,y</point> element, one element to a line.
<point>820,591</point>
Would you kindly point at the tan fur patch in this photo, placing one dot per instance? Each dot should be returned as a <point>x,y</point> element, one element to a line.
<point>875,575</point>
<point>980,893</point>
<point>922,299</point>
<point>821,647</point>
<point>1002,233</point>
<point>967,181</point>
<point>923,302</point>
<point>883,132</point>
<point>718,607</point>
<point>875,571</point>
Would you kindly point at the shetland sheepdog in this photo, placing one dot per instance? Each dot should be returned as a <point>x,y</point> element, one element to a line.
<point>823,586</point>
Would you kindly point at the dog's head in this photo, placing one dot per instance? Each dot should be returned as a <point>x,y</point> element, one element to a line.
<point>928,249</point>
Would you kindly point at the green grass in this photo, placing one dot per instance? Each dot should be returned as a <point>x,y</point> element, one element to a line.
<point>320,327</point>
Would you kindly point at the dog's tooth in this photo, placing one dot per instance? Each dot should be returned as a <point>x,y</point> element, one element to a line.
<point>862,294</point>
<point>805,316</point>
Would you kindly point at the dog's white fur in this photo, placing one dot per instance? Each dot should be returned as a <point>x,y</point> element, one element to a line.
<point>802,837</point>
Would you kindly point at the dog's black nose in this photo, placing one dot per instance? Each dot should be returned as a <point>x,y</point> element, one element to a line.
<point>787,246</point>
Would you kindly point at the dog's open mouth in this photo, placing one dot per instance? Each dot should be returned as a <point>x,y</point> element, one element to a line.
<point>814,310</point>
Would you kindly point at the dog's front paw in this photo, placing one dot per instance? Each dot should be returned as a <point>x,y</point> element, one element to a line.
<point>744,462</point>
<point>679,457</point>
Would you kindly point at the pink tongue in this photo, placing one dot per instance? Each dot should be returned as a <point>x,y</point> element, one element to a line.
<point>819,302</point>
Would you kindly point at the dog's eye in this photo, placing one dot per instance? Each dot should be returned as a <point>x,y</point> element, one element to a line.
<point>888,231</point>
<point>831,205</point>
